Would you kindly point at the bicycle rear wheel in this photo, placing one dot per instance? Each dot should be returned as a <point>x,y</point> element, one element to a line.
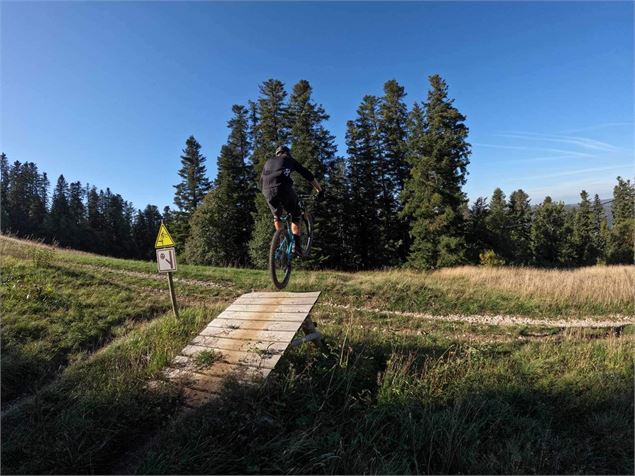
<point>280,259</point>
<point>307,234</point>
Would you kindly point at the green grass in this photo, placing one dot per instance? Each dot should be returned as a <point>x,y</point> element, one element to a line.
<point>387,394</point>
<point>206,358</point>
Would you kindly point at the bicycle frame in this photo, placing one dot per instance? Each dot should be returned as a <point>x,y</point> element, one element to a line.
<point>289,236</point>
<point>287,224</point>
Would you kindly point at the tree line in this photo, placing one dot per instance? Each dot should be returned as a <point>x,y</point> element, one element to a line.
<point>394,199</point>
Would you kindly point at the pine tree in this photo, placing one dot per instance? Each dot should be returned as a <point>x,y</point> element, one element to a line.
<point>36,199</point>
<point>600,228</point>
<point>334,233</point>
<point>568,252</point>
<point>313,146</point>
<point>364,155</point>
<point>94,220</point>
<point>498,225</point>
<point>144,231</point>
<point>547,233</point>
<point>434,199</point>
<point>583,232</point>
<point>269,131</point>
<point>117,217</point>
<point>393,132</point>
<point>77,214</point>
<point>478,234</point>
<point>191,191</point>
<point>5,222</point>
<point>620,246</point>
<point>26,199</point>
<point>59,220</point>
<point>222,224</point>
<point>519,218</point>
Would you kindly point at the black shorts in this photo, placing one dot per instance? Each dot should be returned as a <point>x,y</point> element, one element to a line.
<point>283,198</point>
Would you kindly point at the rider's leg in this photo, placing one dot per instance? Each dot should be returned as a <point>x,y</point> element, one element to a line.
<point>278,224</point>
<point>295,228</point>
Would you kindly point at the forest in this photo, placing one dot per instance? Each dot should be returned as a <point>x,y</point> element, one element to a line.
<point>394,199</point>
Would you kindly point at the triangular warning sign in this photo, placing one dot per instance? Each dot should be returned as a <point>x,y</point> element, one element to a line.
<point>163,238</point>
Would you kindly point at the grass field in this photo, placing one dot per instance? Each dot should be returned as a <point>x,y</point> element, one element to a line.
<point>393,391</point>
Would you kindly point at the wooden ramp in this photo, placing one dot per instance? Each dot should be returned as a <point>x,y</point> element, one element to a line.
<point>245,342</point>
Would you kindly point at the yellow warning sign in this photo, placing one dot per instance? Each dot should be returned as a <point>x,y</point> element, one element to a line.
<point>163,238</point>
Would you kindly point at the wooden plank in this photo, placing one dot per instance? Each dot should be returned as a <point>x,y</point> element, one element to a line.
<point>276,300</point>
<point>297,308</point>
<point>315,294</point>
<point>272,336</point>
<point>223,343</point>
<point>259,316</point>
<point>237,324</point>
<point>218,369</point>
<point>250,337</point>
<point>197,381</point>
<point>265,359</point>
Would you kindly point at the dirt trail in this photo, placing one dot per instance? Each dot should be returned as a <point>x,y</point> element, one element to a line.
<point>610,320</point>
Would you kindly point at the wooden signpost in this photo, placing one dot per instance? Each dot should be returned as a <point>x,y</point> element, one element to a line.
<point>166,260</point>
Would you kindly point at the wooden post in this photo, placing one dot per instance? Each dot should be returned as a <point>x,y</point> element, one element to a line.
<point>172,295</point>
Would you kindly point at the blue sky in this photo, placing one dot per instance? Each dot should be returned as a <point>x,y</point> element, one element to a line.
<point>108,92</point>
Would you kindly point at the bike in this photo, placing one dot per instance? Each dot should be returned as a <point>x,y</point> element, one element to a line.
<point>281,252</point>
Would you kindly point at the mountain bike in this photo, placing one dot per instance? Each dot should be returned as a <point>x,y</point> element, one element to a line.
<point>281,252</point>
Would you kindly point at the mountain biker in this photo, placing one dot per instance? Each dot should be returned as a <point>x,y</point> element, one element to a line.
<point>277,187</point>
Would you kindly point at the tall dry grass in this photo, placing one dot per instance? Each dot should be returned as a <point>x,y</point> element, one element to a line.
<point>608,285</point>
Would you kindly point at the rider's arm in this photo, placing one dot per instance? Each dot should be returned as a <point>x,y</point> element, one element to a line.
<point>299,168</point>
<point>308,176</point>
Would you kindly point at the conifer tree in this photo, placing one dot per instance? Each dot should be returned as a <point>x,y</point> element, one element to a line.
<point>620,246</point>
<point>586,252</point>
<point>394,168</point>
<point>313,146</point>
<point>59,220</point>
<point>96,239</point>
<point>478,234</point>
<point>190,191</point>
<point>519,218</point>
<point>334,233</point>
<point>116,212</point>
<point>269,132</point>
<point>568,252</point>
<point>498,224</point>
<point>77,215</point>
<point>221,226</point>
<point>547,233</point>
<point>364,156</point>
<point>144,231</point>
<point>5,223</point>
<point>600,228</point>
<point>434,199</point>
<point>26,199</point>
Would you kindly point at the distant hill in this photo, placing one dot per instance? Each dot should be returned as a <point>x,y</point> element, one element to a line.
<point>607,209</point>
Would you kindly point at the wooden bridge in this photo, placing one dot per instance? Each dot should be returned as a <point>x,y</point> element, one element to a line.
<point>245,342</point>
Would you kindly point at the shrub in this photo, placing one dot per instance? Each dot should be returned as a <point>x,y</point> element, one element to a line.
<point>490,258</point>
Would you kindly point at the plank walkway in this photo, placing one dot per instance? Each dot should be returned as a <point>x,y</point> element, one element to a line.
<point>249,338</point>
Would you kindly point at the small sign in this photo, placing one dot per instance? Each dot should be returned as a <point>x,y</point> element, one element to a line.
<point>166,260</point>
<point>164,239</point>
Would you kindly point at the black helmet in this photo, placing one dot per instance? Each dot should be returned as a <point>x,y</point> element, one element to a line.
<point>283,149</point>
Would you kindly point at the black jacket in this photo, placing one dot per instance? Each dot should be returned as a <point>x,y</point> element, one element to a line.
<point>277,172</point>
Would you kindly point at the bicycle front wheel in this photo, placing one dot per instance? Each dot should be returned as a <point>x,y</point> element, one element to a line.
<point>280,259</point>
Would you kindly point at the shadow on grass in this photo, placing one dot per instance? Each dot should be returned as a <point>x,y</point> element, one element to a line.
<point>325,415</point>
<point>323,412</point>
